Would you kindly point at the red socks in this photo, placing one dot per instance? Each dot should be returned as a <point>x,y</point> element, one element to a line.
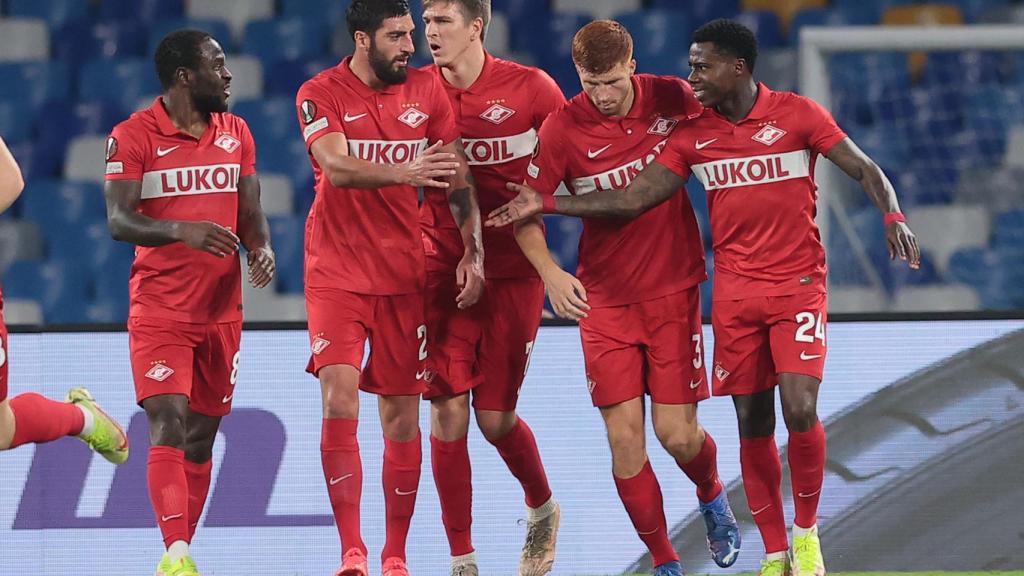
<point>402,461</point>
<point>762,477</point>
<point>807,472</point>
<point>38,419</point>
<point>641,495</point>
<point>198,478</point>
<point>703,470</point>
<point>519,450</point>
<point>343,473</point>
<point>453,478</point>
<point>168,491</point>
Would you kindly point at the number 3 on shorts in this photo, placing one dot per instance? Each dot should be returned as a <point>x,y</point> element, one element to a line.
<point>809,322</point>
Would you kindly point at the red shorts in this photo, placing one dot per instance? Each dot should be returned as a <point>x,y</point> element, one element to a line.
<point>197,360</point>
<point>341,322</point>
<point>654,347</point>
<point>485,348</point>
<point>758,338</point>
<point>3,356</point>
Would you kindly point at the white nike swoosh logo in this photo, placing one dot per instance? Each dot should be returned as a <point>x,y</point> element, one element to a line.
<point>161,152</point>
<point>400,493</point>
<point>354,118</point>
<point>702,145</point>
<point>815,493</point>
<point>172,517</point>
<point>595,153</point>
<point>761,510</point>
<point>227,399</point>
<point>421,375</point>
<point>334,480</point>
<point>694,385</point>
<point>806,356</point>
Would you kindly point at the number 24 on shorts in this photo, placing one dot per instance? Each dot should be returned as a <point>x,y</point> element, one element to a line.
<point>809,322</point>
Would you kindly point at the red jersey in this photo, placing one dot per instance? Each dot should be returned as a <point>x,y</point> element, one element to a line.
<point>624,261</point>
<point>360,240</point>
<point>498,117</point>
<point>191,179</point>
<point>759,176</point>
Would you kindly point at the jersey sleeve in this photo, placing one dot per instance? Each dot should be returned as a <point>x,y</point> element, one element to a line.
<point>673,158</point>
<point>319,114</point>
<point>547,168</point>
<point>823,133</point>
<point>125,154</point>
<point>248,149</point>
<point>547,97</point>
<point>441,124</point>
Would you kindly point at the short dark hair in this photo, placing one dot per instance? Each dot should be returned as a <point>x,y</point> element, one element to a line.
<point>471,10</point>
<point>179,49</point>
<point>369,15</point>
<point>731,37</point>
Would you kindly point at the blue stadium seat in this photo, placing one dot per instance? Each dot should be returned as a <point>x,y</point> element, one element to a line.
<point>121,82</point>
<point>56,13</point>
<point>286,77</point>
<point>84,41</point>
<point>860,12</point>
<point>107,311</point>
<point>37,161</point>
<point>556,31</point>
<point>954,70</point>
<point>290,39</point>
<point>972,266</point>
<point>15,121</point>
<point>661,39</point>
<point>61,288</point>
<point>862,78</point>
<point>926,181</point>
<point>701,11</point>
<point>563,236</point>
<point>288,233</point>
<point>522,13</point>
<point>270,119</point>
<point>990,111</point>
<point>67,120</point>
<point>814,17</point>
<point>973,8</point>
<point>34,83</point>
<point>56,204</point>
<point>330,11</point>
<point>144,10</point>
<point>219,29</point>
<point>1005,290</point>
<point>889,147</point>
<point>766,27</point>
<point>1009,229</point>
<point>287,157</point>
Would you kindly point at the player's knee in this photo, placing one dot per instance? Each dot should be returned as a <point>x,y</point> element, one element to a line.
<point>167,428</point>
<point>450,418</point>
<point>628,452</point>
<point>800,414</point>
<point>682,442</point>
<point>495,425</point>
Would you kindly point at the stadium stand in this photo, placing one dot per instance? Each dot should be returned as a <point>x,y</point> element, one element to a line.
<point>70,69</point>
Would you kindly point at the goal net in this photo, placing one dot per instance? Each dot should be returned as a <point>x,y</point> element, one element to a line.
<point>941,109</point>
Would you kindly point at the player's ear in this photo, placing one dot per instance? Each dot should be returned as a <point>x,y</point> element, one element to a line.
<point>182,74</point>
<point>478,29</point>
<point>362,40</point>
<point>632,66</point>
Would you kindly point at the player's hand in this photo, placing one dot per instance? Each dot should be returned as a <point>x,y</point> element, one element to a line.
<point>428,169</point>
<point>903,244</point>
<point>469,275</point>
<point>567,295</point>
<point>262,265</point>
<point>208,237</point>
<point>523,206</point>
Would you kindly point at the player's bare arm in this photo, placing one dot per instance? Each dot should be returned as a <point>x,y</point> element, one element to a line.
<point>127,225</point>
<point>463,204</point>
<point>431,168</point>
<point>654,185</point>
<point>567,295</point>
<point>254,232</point>
<point>11,181</point>
<point>857,165</point>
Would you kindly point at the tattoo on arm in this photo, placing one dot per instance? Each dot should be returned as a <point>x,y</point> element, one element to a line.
<point>651,187</point>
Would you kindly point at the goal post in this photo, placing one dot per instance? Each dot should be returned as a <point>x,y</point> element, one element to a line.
<point>818,44</point>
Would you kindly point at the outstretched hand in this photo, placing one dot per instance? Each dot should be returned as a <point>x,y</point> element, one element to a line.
<point>903,244</point>
<point>525,205</point>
